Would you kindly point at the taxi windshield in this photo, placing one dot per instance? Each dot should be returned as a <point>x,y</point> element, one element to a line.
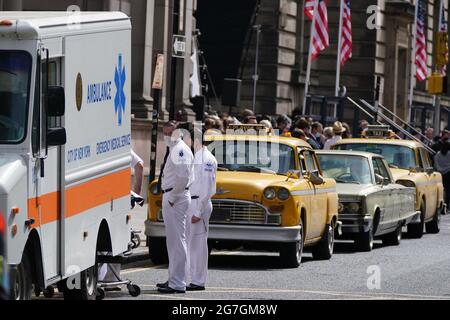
<point>253,156</point>
<point>397,156</point>
<point>15,73</point>
<point>346,168</point>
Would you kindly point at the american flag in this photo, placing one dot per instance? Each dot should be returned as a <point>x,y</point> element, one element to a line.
<point>443,28</point>
<point>309,8</point>
<point>421,49</point>
<point>347,43</point>
<point>320,38</point>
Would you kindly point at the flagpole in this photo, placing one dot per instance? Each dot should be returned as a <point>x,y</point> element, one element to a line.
<point>308,68</point>
<point>413,64</point>
<point>338,62</point>
<point>339,52</point>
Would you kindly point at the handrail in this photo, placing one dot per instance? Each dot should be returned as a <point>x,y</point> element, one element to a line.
<point>404,122</point>
<point>361,108</point>
<point>395,125</point>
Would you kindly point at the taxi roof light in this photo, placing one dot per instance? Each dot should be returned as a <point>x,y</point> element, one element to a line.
<point>377,132</point>
<point>249,129</point>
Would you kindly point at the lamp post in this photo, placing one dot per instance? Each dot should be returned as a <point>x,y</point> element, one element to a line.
<point>256,76</point>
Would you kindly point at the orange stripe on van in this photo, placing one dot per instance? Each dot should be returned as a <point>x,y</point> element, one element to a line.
<point>80,198</point>
<point>97,192</point>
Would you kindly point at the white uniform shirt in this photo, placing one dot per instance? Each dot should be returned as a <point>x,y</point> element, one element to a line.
<point>331,142</point>
<point>135,159</point>
<point>178,172</point>
<point>205,171</point>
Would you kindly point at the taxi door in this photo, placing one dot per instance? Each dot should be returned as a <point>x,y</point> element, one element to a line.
<point>318,196</point>
<point>430,183</point>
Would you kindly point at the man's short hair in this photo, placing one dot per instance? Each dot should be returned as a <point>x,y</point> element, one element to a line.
<point>302,124</point>
<point>171,123</point>
<point>316,125</point>
<point>283,119</point>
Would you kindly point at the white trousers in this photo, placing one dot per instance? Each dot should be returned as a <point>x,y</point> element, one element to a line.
<point>175,224</point>
<point>197,244</point>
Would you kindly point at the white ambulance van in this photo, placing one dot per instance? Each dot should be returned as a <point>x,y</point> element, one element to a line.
<point>65,136</point>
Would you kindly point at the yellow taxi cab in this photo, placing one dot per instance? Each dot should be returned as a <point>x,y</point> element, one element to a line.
<point>270,196</point>
<point>411,166</point>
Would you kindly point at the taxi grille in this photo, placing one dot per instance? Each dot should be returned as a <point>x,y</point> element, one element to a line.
<point>240,212</point>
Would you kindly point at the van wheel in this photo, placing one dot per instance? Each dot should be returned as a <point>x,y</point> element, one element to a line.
<point>21,283</point>
<point>291,253</point>
<point>433,225</point>
<point>393,238</point>
<point>415,230</point>
<point>324,249</point>
<point>158,250</point>
<point>88,284</point>
<point>364,241</point>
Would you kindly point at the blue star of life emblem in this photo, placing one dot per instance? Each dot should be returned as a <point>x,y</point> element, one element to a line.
<point>120,99</point>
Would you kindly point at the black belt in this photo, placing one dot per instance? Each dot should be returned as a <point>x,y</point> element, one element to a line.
<point>195,197</point>
<point>170,189</point>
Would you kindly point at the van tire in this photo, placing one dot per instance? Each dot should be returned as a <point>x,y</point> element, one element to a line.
<point>291,253</point>
<point>324,249</point>
<point>433,226</point>
<point>88,282</point>
<point>21,283</point>
<point>415,230</point>
<point>157,249</point>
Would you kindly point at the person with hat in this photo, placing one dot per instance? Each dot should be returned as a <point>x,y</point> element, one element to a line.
<point>338,130</point>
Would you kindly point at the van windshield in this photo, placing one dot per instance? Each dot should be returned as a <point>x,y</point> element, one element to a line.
<point>15,74</point>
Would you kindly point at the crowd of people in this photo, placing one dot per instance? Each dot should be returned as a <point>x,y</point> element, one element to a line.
<point>323,137</point>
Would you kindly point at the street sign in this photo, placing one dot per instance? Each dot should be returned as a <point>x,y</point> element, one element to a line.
<point>159,69</point>
<point>178,46</point>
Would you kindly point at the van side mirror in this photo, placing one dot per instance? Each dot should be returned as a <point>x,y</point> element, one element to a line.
<point>56,101</point>
<point>56,136</point>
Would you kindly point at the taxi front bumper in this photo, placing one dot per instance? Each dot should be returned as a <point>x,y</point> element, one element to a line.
<point>235,232</point>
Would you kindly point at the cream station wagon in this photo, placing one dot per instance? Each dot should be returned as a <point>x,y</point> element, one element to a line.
<point>371,204</point>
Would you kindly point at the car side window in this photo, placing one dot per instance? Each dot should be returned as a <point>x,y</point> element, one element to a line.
<point>426,163</point>
<point>381,169</point>
<point>309,161</point>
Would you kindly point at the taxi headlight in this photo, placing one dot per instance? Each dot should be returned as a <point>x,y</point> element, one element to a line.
<point>340,207</point>
<point>270,193</point>
<point>353,207</point>
<point>154,189</point>
<point>283,194</point>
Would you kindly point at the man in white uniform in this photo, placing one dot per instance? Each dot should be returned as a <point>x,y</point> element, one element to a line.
<point>177,177</point>
<point>197,224</point>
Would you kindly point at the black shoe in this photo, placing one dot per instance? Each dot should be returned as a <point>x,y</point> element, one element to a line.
<point>170,290</point>
<point>194,287</point>
<point>162,285</point>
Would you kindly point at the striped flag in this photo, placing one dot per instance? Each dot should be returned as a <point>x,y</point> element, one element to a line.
<point>443,28</point>
<point>320,37</point>
<point>309,8</point>
<point>421,49</point>
<point>347,43</point>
